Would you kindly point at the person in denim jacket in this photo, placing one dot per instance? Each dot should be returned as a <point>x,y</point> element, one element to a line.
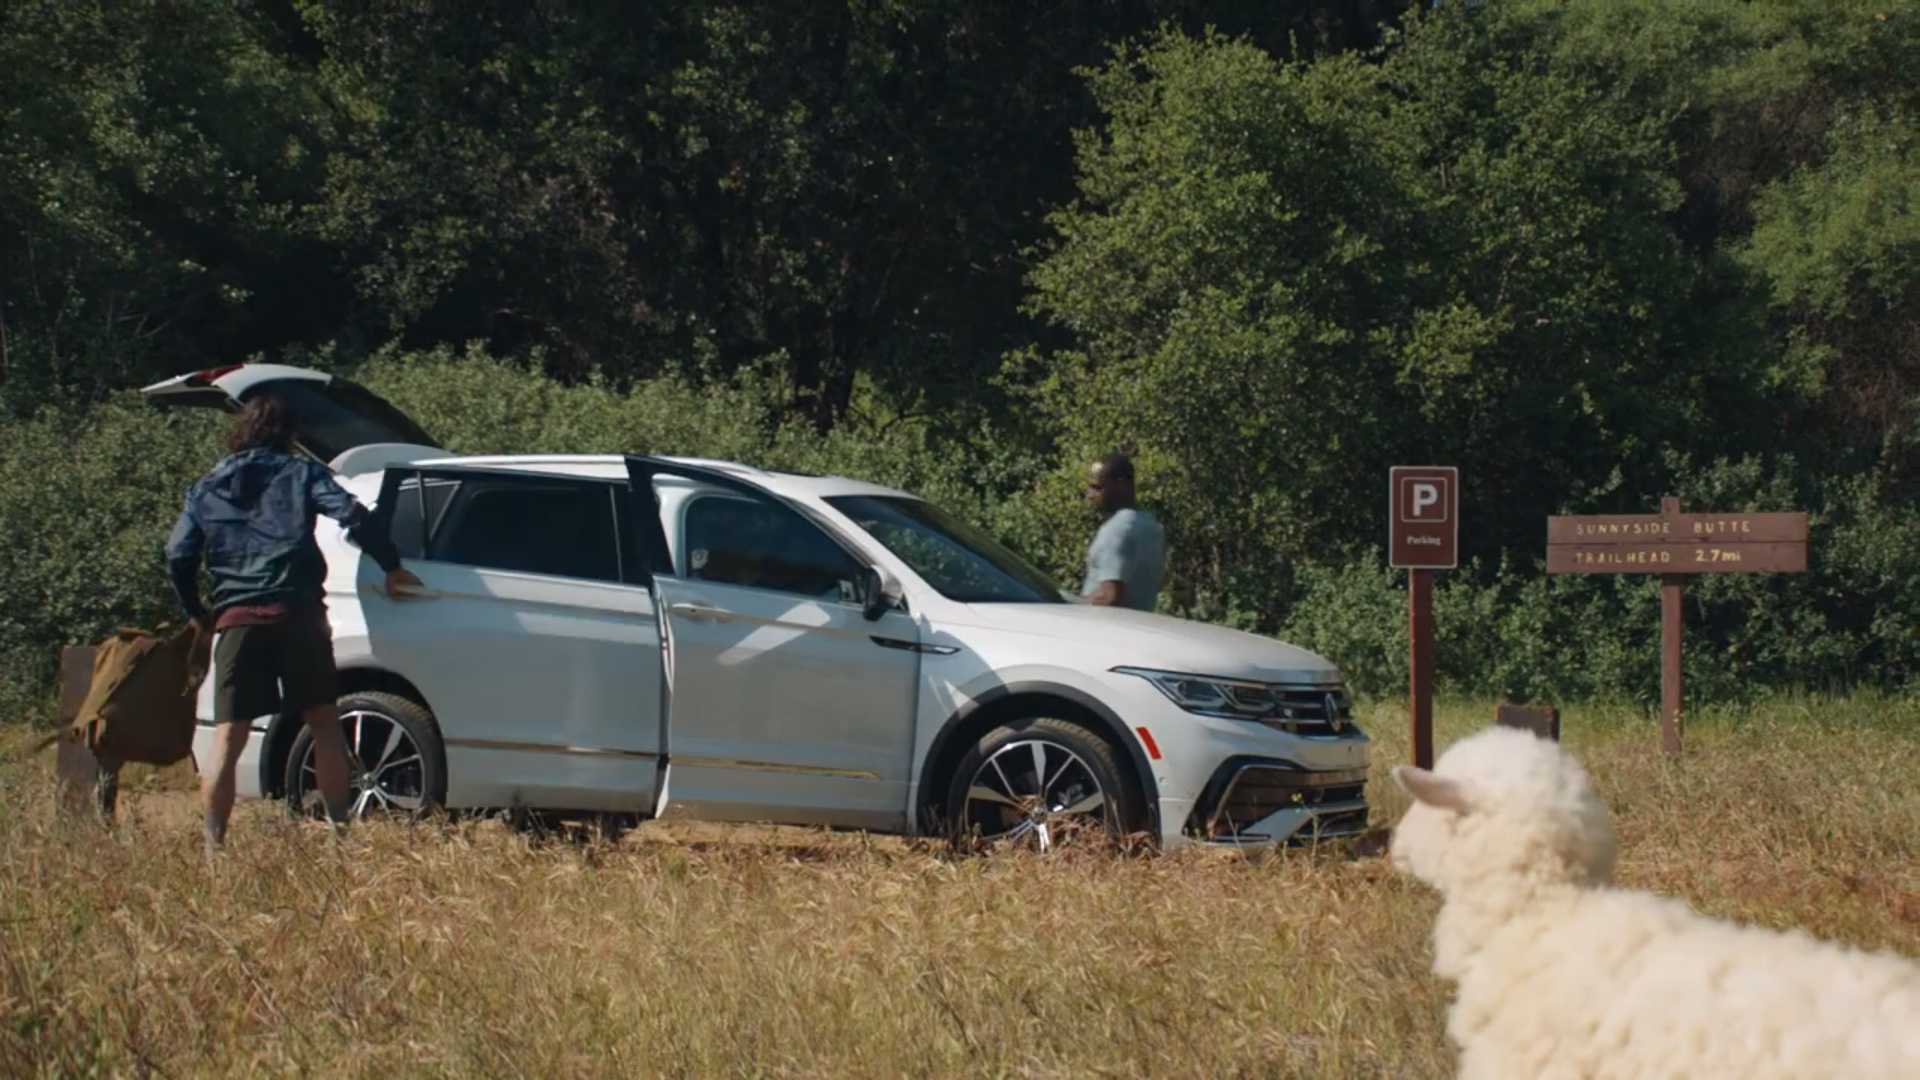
<point>251,521</point>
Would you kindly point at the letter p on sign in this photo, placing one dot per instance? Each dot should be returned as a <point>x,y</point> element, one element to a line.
<point>1426,496</point>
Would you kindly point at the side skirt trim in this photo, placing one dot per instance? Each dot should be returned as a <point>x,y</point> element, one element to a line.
<point>687,762</point>
<point>545,748</point>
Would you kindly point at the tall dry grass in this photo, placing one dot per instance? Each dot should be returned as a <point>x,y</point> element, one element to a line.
<point>471,949</point>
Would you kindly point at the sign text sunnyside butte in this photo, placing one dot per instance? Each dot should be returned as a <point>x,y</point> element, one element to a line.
<point>1677,544</point>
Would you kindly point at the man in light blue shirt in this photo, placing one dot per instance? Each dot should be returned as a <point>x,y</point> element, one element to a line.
<point>1128,557</point>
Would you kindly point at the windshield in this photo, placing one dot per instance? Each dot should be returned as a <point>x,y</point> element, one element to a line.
<point>960,561</point>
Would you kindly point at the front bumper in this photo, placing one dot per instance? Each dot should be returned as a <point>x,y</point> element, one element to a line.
<point>1257,801</point>
<point>1238,783</point>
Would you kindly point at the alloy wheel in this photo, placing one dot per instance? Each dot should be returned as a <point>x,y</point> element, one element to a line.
<point>385,770</point>
<point>1034,793</point>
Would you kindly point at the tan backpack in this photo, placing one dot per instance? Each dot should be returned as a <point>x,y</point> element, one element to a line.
<point>140,703</point>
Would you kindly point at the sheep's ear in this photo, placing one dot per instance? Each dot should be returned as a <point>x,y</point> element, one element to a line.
<point>1432,788</point>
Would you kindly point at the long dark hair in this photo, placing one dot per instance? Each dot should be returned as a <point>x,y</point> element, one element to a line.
<point>264,422</point>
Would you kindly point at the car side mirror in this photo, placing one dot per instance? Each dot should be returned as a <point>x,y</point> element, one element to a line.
<point>873,593</point>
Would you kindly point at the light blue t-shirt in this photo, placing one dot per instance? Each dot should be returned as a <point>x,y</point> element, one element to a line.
<point>1130,548</point>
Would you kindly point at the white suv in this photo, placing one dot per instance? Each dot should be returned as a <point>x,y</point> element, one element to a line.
<point>674,637</point>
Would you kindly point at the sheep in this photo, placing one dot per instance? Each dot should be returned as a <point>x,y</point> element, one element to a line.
<point>1559,974</point>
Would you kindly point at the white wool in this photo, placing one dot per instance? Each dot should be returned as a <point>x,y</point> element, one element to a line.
<point>1561,975</point>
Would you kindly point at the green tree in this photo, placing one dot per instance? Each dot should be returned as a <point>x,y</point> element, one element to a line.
<point>153,162</point>
<point>1791,122</point>
<point>1282,278</point>
<point>1838,244</point>
<point>848,185</point>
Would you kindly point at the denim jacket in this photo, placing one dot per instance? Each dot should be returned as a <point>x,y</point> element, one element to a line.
<point>252,519</point>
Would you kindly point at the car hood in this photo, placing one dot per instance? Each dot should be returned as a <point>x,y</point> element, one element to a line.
<point>1124,637</point>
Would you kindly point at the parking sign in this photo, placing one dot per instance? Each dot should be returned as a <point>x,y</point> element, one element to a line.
<point>1423,515</point>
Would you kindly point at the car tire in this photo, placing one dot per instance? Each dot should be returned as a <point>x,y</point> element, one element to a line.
<point>407,775</point>
<point>995,798</point>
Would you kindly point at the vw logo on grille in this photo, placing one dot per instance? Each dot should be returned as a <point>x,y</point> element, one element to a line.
<point>1335,722</point>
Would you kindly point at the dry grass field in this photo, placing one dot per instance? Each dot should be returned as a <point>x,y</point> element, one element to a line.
<point>467,948</point>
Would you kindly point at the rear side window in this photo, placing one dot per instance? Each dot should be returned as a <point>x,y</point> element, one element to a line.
<point>739,541</point>
<point>533,526</point>
<point>419,506</point>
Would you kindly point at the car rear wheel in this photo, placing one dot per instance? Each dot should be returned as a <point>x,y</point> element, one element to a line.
<point>1042,782</point>
<point>395,760</point>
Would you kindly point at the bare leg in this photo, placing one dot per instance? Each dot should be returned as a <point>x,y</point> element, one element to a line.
<point>216,785</point>
<point>330,759</point>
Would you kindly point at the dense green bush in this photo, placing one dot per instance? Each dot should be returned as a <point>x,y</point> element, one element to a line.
<point>1511,629</point>
<point>473,403</point>
<point>85,504</point>
<point>86,499</point>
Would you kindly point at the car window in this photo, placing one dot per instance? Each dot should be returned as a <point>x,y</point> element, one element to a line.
<point>741,541</point>
<point>415,515</point>
<point>533,526</point>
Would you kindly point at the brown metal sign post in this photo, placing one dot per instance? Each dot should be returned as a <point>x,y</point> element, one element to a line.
<point>1675,545</point>
<point>1423,535</point>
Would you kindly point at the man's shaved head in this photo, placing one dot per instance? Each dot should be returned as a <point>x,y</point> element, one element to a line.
<point>1110,483</point>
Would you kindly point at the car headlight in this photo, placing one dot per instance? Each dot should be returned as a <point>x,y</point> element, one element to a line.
<point>1239,699</point>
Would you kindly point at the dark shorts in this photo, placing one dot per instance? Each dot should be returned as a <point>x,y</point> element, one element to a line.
<point>271,667</point>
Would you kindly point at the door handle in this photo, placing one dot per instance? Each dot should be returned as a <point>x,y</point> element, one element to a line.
<point>702,611</point>
<point>914,646</point>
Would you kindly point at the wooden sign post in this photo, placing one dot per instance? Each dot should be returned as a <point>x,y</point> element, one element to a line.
<point>1675,545</point>
<point>79,779</point>
<point>1423,535</point>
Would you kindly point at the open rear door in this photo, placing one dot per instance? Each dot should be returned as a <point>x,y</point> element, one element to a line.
<point>332,415</point>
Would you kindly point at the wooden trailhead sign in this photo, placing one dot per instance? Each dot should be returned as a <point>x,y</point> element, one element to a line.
<point>1675,545</point>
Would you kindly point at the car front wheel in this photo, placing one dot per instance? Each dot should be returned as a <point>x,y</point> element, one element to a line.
<point>1041,782</point>
<point>395,761</point>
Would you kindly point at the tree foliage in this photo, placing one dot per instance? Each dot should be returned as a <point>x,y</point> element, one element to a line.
<point>1562,247</point>
<point>627,187</point>
<point>154,163</point>
<point>1591,251</point>
<point>1283,278</point>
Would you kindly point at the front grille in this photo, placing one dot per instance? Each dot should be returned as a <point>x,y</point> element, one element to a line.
<point>1250,794</point>
<point>1330,826</point>
<point>1259,791</point>
<point>1310,710</point>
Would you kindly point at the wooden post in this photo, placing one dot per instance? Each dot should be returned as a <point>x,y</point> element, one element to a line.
<point>79,779</point>
<point>1671,624</point>
<point>1420,625</point>
<point>1671,586</point>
